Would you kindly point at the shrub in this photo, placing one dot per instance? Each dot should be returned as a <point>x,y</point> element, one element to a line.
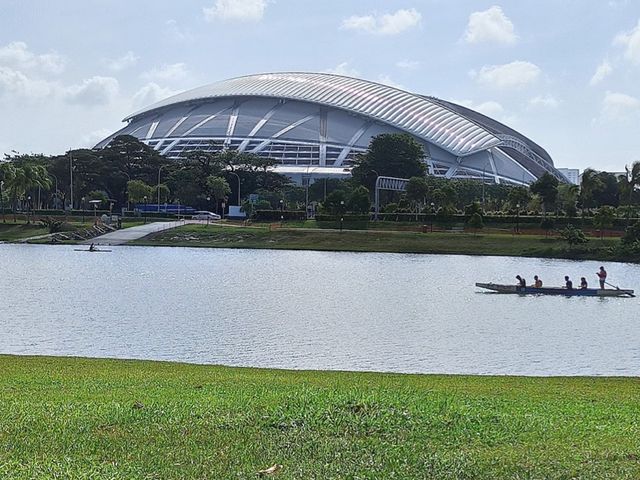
<point>573,236</point>
<point>632,234</point>
<point>53,225</point>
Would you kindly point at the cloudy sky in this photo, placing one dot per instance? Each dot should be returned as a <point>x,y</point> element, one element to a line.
<point>566,73</point>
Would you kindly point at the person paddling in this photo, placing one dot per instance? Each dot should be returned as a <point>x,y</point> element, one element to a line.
<point>568,283</point>
<point>537,283</point>
<point>602,276</point>
<point>522,283</point>
<point>583,284</point>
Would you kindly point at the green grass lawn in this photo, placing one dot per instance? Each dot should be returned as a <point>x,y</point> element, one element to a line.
<point>11,232</point>
<point>107,419</point>
<point>379,241</point>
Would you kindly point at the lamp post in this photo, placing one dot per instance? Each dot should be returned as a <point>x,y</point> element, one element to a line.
<point>83,209</point>
<point>208,200</point>
<point>4,220</point>
<point>518,218</point>
<point>159,170</point>
<point>341,214</point>
<point>145,209</point>
<point>29,209</point>
<point>433,211</point>
<point>127,190</point>
<point>71,180</point>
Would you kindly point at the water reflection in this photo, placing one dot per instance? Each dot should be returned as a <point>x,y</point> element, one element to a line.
<point>316,310</point>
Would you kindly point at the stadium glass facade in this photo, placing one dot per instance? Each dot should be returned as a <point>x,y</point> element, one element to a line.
<point>316,123</point>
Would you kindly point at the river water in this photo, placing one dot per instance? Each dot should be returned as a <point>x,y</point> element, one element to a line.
<point>314,310</point>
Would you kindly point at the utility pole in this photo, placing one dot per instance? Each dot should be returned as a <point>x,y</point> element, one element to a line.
<point>71,178</point>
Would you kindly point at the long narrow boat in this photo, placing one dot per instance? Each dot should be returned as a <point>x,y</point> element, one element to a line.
<point>586,292</point>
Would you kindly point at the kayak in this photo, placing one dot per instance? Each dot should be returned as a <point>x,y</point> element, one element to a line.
<point>585,292</point>
<point>87,250</point>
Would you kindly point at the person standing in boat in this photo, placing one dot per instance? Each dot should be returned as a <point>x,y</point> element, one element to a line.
<point>583,284</point>
<point>602,276</point>
<point>537,283</point>
<point>568,284</point>
<point>522,283</point>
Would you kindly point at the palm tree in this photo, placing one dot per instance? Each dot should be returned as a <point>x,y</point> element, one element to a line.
<point>631,183</point>
<point>24,179</point>
<point>589,184</point>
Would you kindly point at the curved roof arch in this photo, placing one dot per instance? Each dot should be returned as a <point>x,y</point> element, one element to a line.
<point>415,114</point>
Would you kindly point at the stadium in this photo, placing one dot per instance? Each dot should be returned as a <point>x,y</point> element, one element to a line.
<point>314,124</point>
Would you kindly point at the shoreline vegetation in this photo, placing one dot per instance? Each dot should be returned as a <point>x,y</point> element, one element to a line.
<point>299,237</point>
<point>66,417</point>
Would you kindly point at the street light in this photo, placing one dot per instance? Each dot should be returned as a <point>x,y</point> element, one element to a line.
<point>208,200</point>
<point>518,218</point>
<point>159,170</point>
<point>4,220</point>
<point>433,211</point>
<point>145,209</point>
<point>341,213</point>
<point>28,209</point>
<point>83,208</point>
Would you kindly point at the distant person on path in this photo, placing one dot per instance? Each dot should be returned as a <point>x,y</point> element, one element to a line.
<point>537,283</point>
<point>602,276</point>
<point>583,284</point>
<point>92,248</point>
<point>522,283</point>
<point>568,284</point>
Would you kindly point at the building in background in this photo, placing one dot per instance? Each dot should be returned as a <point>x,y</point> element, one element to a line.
<point>314,124</point>
<point>571,174</point>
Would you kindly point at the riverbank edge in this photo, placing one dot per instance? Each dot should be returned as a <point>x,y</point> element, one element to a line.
<point>597,253</point>
<point>115,418</point>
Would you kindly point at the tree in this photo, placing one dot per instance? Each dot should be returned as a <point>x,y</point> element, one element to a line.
<point>475,222</point>
<point>589,184</point>
<point>417,190</point>
<point>604,218</point>
<point>164,191</point>
<point>547,187</point>
<point>137,190</point>
<point>219,189</point>
<point>335,202</point>
<point>519,196</point>
<point>568,197</point>
<point>573,236</point>
<point>358,200</point>
<point>21,180</point>
<point>392,155</point>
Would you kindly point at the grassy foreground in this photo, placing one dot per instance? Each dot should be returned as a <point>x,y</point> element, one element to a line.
<point>82,418</point>
<point>380,241</point>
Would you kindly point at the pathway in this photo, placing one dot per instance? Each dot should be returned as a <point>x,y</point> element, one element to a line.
<point>125,235</point>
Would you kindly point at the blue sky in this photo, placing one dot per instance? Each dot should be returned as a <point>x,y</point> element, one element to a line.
<point>566,73</point>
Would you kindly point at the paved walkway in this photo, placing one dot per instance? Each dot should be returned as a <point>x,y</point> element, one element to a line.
<point>125,235</point>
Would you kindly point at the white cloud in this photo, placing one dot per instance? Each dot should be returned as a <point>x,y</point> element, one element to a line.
<point>18,55</point>
<point>129,59</point>
<point>92,91</point>
<point>236,10</point>
<point>490,108</point>
<point>491,25</point>
<point>384,24</point>
<point>630,41</point>
<point>386,80</point>
<point>616,106</point>
<point>90,139</point>
<point>408,64</point>
<point>168,72</point>
<point>16,85</point>
<point>151,93</point>
<point>516,74</point>
<point>176,32</point>
<point>603,71</point>
<point>343,69</point>
<point>544,101</point>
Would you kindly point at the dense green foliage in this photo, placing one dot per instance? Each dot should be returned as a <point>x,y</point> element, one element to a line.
<point>82,418</point>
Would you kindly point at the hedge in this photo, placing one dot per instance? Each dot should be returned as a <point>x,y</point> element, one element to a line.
<point>277,215</point>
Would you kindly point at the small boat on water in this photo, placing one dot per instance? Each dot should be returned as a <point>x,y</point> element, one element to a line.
<point>95,250</point>
<point>584,292</point>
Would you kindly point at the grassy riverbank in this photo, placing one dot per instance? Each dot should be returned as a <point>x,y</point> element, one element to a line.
<point>12,232</point>
<point>80,418</point>
<point>382,241</point>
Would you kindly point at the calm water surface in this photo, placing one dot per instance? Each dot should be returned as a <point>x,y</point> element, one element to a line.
<point>313,310</point>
